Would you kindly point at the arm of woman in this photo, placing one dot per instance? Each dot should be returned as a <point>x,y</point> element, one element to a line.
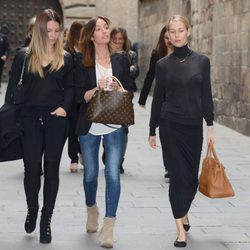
<point>68,84</point>
<point>210,134</point>
<point>148,80</point>
<point>207,100</point>
<point>89,94</point>
<point>125,67</point>
<point>158,98</point>
<point>152,141</point>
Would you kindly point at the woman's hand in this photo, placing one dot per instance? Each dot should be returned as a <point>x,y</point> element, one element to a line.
<point>109,84</point>
<point>89,94</point>
<point>210,135</point>
<point>152,141</point>
<point>4,58</point>
<point>59,112</point>
<point>102,83</point>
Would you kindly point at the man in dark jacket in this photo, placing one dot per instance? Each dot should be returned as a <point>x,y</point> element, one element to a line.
<point>4,45</point>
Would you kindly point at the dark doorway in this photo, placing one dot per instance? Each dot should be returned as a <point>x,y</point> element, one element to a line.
<point>15,14</point>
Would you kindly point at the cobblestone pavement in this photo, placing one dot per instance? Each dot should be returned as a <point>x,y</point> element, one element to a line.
<point>144,219</point>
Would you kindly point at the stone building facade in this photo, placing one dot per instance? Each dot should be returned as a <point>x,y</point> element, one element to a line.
<point>221,30</point>
<point>121,13</point>
<point>16,14</point>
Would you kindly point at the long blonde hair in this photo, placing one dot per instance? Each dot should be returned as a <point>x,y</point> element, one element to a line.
<point>39,48</point>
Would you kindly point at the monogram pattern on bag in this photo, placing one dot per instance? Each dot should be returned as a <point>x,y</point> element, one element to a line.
<point>111,107</point>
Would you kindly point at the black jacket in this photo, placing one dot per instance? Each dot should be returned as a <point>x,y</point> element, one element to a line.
<point>149,78</point>
<point>4,45</point>
<point>87,81</point>
<point>10,133</point>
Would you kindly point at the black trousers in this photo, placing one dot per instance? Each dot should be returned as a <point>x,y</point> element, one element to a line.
<point>1,70</point>
<point>182,145</point>
<point>73,142</point>
<point>43,140</point>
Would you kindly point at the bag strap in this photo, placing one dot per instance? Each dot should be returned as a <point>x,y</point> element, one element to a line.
<point>117,81</point>
<point>211,150</point>
<point>23,67</point>
<point>214,153</point>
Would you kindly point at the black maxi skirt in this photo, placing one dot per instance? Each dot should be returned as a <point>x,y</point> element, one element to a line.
<point>182,145</point>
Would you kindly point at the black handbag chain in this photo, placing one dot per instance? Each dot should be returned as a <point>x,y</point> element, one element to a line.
<point>20,83</point>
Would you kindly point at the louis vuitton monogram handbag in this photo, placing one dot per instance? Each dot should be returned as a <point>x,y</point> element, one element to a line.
<point>111,107</point>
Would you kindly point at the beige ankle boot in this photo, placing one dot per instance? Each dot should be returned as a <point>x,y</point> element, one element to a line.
<point>92,220</point>
<point>107,239</point>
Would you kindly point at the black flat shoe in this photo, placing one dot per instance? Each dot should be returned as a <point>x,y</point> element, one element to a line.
<point>186,227</point>
<point>166,175</point>
<point>121,167</point>
<point>180,243</point>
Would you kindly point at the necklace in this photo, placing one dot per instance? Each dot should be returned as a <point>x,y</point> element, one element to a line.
<point>184,59</point>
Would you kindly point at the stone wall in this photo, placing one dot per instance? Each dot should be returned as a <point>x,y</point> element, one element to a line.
<point>220,29</point>
<point>121,13</point>
<point>153,15</point>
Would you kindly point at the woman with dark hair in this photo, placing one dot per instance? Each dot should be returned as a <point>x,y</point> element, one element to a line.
<point>98,64</point>
<point>72,47</point>
<point>121,43</point>
<point>163,48</point>
<point>182,99</point>
<point>48,85</point>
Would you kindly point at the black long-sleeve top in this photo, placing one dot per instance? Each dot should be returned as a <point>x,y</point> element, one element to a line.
<point>53,91</point>
<point>182,92</point>
<point>4,45</point>
<point>149,78</point>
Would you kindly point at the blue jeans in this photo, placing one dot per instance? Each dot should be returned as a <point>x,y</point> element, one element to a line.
<point>114,143</point>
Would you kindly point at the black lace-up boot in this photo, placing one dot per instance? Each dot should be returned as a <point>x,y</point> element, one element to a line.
<point>30,222</point>
<point>45,230</point>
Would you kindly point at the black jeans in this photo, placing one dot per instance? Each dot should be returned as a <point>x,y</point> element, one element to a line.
<point>73,143</point>
<point>43,138</point>
<point>1,70</point>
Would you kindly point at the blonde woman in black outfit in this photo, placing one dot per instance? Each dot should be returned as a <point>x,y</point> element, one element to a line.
<point>163,48</point>
<point>48,84</point>
<point>183,94</point>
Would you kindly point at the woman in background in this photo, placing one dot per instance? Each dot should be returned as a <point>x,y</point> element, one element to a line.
<point>72,46</point>
<point>121,44</point>
<point>163,48</point>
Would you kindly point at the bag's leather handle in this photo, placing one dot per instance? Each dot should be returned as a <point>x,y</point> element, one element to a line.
<point>211,150</point>
<point>117,81</point>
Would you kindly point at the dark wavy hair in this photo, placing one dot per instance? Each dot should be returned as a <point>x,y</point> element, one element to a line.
<point>74,35</point>
<point>161,48</point>
<point>126,46</point>
<point>86,45</point>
